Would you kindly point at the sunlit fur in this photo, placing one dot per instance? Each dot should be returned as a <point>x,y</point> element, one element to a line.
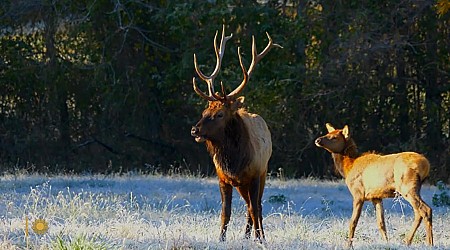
<point>240,145</point>
<point>373,177</point>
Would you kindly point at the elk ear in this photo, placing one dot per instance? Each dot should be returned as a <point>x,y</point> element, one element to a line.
<point>330,128</point>
<point>345,132</point>
<point>238,103</point>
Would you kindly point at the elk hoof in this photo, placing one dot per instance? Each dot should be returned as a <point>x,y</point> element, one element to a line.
<point>407,242</point>
<point>260,240</point>
<point>349,244</point>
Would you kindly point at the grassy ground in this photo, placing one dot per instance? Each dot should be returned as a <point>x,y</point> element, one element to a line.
<point>182,212</point>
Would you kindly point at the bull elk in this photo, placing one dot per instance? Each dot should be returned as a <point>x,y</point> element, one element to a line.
<point>239,142</point>
<point>373,177</point>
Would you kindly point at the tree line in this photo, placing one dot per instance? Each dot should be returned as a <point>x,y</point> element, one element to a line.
<point>106,85</point>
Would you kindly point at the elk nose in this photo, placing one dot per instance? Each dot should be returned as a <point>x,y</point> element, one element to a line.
<point>194,130</point>
<point>318,141</point>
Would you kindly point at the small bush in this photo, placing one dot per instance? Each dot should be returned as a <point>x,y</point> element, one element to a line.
<point>442,198</point>
<point>277,199</point>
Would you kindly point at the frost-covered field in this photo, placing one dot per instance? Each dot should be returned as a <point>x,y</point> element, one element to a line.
<point>155,212</point>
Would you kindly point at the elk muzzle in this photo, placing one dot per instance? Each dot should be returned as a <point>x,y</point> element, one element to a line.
<point>323,142</point>
<point>195,132</point>
<point>318,142</point>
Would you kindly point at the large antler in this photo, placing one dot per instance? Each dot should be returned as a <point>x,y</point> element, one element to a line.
<point>255,59</point>
<point>210,79</point>
<point>212,96</point>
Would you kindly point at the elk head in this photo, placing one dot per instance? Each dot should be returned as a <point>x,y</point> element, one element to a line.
<point>335,141</point>
<point>222,107</point>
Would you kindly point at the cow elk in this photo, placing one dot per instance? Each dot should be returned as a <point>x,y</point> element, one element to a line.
<point>373,177</point>
<point>239,142</point>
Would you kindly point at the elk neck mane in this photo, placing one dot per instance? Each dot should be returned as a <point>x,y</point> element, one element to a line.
<point>343,161</point>
<point>232,150</point>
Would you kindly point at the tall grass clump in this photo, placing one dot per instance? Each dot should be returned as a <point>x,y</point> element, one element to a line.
<point>79,243</point>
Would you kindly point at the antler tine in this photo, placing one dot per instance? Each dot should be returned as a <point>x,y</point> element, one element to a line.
<point>204,78</point>
<point>255,59</point>
<point>210,79</point>
<point>241,86</point>
<point>200,93</point>
<point>220,51</point>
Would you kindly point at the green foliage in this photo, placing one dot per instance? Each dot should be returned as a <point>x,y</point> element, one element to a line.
<point>80,243</point>
<point>442,198</point>
<point>105,87</point>
<point>278,199</point>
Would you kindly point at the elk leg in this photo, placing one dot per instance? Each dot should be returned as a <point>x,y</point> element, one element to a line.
<point>255,206</point>
<point>421,211</point>
<point>378,204</point>
<point>357,207</point>
<point>262,183</point>
<point>226,192</point>
<point>416,223</point>
<point>412,199</point>
<point>427,214</point>
<point>244,191</point>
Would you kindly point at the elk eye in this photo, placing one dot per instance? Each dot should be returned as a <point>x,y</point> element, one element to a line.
<point>220,115</point>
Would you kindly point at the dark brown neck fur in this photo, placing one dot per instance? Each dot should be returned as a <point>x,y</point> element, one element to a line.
<point>232,150</point>
<point>343,161</point>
